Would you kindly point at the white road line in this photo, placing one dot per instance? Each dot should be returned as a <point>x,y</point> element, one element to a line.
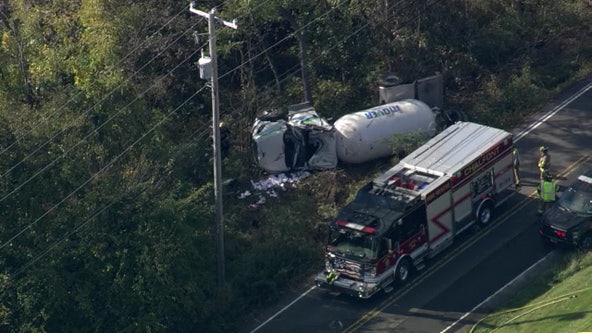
<point>497,292</point>
<point>551,113</point>
<point>284,309</point>
<point>520,135</point>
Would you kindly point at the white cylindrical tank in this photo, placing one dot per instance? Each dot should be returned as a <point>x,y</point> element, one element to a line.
<point>369,134</point>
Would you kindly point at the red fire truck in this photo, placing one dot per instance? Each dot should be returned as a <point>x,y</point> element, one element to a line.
<point>417,208</point>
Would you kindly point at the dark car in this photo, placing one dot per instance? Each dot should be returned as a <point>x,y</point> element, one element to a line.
<point>569,220</point>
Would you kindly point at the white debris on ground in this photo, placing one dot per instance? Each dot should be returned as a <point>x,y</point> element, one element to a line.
<point>268,187</point>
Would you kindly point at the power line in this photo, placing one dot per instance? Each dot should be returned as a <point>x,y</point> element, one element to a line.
<point>92,177</point>
<point>113,116</point>
<point>296,68</point>
<point>88,135</point>
<point>104,168</point>
<point>36,125</point>
<point>204,130</point>
<point>76,229</point>
<point>281,40</point>
<point>79,142</point>
<point>88,110</point>
<point>98,103</point>
<point>100,171</point>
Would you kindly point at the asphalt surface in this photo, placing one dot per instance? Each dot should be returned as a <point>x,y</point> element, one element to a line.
<point>482,269</point>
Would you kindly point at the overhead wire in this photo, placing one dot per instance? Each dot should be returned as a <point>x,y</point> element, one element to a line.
<point>203,130</point>
<point>113,116</point>
<point>175,41</point>
<point>291,35</point>
<point>29,226</point>
<point>532,307</point>
<point>19,271</point>
<point>295,69</point>
<point>81,116</point>
<point>104,168</point>
<point>79,142</point>
<point>85,183</point>
<point>37,124</point>
<point>109,204</point>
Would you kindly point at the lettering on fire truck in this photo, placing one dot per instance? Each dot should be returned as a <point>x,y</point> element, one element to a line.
<point>485,159</point>
<point>438,192</point>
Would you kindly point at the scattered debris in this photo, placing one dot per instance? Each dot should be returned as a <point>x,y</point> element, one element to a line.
<point>267,188</point>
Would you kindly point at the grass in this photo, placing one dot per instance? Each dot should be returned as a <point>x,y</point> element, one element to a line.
<point>558,301</point>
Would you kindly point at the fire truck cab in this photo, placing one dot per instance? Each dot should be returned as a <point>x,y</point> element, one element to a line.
<point>416,209</point>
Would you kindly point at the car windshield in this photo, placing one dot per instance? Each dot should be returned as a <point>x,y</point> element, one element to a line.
<point>354,243</point>
<point>577,198</point>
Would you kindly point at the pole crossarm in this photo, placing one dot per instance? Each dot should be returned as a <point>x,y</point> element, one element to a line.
<point>216,19</point>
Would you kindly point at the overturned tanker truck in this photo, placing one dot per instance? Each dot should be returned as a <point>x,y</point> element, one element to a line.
<point>307,141</point>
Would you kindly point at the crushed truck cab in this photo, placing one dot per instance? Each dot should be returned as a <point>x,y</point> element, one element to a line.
<point>417,208</point>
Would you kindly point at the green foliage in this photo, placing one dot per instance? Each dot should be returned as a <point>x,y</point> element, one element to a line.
<point>265,269</point>
<point>106,192</point>
<point>408,142</point>
<point>556,301</point>
<point>334,99</point>
<point>504,101</point>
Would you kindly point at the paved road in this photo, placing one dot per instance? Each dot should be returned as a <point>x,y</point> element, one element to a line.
<point>480,270</point>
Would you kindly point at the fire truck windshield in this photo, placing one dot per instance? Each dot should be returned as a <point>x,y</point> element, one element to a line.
<point>354,243</point>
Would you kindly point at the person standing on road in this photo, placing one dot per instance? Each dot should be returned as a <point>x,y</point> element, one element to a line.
<point>544,162</point>
<point>516,165</point>
<point>546,193</point>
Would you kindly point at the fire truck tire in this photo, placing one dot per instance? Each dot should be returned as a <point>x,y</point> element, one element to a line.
<point>485,213</point>
<point>403,271</point>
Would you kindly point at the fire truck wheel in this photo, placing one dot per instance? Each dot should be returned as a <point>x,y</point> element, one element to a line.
<point>485,213</point>
<point>403,271</point>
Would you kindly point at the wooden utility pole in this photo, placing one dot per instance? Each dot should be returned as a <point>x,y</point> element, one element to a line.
<point>216,132</point>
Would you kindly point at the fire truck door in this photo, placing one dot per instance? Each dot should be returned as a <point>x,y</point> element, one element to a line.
<point>413,236</point>
<point>468,196</point>
<point>482,186</point>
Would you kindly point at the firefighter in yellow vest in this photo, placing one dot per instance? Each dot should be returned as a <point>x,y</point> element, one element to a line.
<point>544,162</point>
<point>332,276</point>
<point>546,193</point>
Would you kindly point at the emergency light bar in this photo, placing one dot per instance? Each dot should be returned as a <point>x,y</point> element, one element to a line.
<point>355,226</point>
<point>585,179</point>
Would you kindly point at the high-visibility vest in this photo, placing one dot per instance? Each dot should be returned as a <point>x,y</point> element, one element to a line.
<point>516,157</point>
<point>548,191</point>
<point>544,162</point>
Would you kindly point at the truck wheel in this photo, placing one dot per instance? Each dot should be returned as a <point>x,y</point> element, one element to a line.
<point>586,242</point>
<point>485,213</point>
<point>403,271</point>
